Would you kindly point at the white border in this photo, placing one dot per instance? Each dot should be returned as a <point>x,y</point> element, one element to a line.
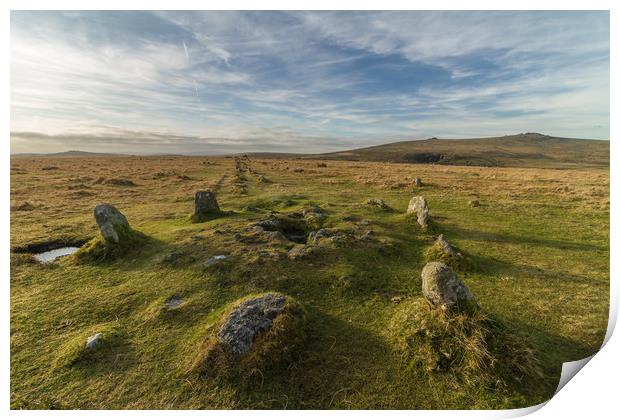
<point>592,394</point>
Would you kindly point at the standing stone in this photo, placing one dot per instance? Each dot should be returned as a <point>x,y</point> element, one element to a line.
<point>112,224</point>
<point>417,182</point>
<point>205,206</point>
<point>415,204</point>
<point>419,206</point>
<point>443,289</point>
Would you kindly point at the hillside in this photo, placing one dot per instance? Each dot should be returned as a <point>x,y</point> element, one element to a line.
<point>67,154</point>
<point>522,150</point>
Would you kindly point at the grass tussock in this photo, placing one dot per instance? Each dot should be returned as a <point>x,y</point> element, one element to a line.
<point>74,351</point>
<point>22,259</point>
<point>472,348</point>
<point>274,349</point>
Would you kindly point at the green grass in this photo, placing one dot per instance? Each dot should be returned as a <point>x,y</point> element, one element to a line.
<point>540,268</point>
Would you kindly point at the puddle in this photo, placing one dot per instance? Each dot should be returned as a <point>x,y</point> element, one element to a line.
<point>51,255</point>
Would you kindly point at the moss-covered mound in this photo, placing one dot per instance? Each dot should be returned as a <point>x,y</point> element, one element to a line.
<point>88,345</point>
<point>471,347</point>
<point>278,339</point>
<point>448,254</point>
<point>101,250</point>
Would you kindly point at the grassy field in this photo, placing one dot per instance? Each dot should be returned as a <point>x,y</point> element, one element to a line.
<point>538,243</point>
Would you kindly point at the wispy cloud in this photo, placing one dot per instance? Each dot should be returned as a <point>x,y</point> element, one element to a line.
<point>333,79</point>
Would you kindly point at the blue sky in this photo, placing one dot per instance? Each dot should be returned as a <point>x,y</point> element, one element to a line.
<point>217,82</point>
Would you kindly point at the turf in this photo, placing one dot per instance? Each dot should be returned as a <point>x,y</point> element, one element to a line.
<point>538,244</point>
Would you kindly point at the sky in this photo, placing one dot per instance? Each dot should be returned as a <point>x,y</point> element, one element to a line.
<point>220,82</point>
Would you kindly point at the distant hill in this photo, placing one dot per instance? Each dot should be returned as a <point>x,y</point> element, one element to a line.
<point>69,153</point>
<point>521,150</point>
<point>532,150</point>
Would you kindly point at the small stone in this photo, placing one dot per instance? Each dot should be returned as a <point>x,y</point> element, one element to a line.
<point>323,237</point>
<point>268,224</point>
<point>377,202</point>
<point>299,251</point>
<point>93,341</point>
<point>214,260</point>
<point>173,302</point>
<point>417,182</point>
<point>473,203</point>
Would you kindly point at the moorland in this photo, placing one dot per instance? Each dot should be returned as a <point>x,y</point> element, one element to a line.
<point>536,242</point>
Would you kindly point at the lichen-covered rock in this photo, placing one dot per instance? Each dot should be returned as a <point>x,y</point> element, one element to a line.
<point>113,225</point>
<point>315,237</point>
<point>268,224</point>
<point>443,289</point>
<point>419,206</point>
<point>205,206</point>
<point>300,251</point>
<point>314,215</point>
<point>326,237</point>
<point>444,246</point>
<point>423,217</point>
<point>248,319</point>
<point>377,202</point>
<point>415,204</point>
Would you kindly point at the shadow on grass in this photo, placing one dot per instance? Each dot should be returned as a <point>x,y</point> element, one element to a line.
<point>335,360</point>
<point>477,235</point>
<point>552,350</point>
